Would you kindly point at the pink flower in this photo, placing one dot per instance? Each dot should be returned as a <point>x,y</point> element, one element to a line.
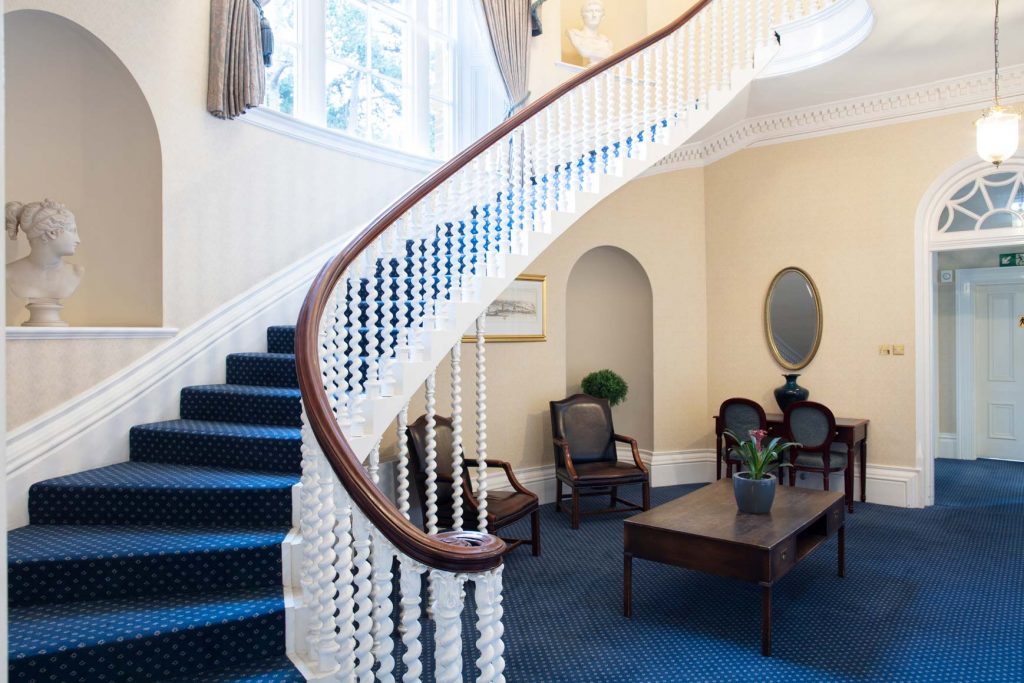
<point>757,435</point>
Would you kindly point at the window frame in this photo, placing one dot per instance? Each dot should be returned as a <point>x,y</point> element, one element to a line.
<point>310,89</point>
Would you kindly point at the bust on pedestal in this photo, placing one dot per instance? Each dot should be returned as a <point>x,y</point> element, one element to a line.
<point>591,45</point>
<point>42,277</point>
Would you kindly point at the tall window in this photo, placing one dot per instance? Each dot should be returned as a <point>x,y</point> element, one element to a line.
<point>383,71</point>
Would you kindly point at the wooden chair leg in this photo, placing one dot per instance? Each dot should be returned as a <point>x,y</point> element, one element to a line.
<point>535,532</point>
<point>792,476</point>
<point>615,494</point>
<point>558,495</point>
<point>647,495</point>
<point>575,507</point>
<point>825,476</point>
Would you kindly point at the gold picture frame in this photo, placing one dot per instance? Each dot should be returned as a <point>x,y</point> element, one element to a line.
<point>521,303</point>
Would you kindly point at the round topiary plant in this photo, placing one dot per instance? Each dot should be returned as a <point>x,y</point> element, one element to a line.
<point>605,384</point>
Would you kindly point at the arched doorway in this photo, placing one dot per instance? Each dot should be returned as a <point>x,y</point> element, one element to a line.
<point>80,132</point>
<point>610,324</point>
<point>967,217</point>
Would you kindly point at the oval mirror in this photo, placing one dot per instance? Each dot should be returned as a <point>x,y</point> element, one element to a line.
<point>792,318</point>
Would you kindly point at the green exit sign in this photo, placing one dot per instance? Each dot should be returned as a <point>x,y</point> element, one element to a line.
<point>1011,260</point>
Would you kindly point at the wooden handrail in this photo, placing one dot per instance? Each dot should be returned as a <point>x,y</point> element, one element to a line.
<point>441,552</point>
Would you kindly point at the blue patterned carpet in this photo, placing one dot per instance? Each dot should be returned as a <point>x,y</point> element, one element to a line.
<point>930,595</point>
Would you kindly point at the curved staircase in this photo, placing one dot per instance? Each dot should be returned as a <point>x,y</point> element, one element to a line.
<point>168,566</point>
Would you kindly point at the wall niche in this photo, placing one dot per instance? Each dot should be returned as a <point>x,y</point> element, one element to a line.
<point>80,131</point>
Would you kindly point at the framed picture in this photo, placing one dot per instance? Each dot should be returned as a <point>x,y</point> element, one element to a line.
<point>520,314</point>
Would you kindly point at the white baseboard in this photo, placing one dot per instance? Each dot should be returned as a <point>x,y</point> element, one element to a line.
<point>948,447</point>
<point>91,430</point>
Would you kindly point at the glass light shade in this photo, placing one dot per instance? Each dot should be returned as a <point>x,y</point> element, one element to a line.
<point>998,134</point>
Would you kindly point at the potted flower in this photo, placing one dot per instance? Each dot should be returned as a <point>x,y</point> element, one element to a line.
<point>605,384</point>
<point>755,488</point>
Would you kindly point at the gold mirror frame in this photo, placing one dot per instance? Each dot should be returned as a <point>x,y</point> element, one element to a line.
<point>768,322</point>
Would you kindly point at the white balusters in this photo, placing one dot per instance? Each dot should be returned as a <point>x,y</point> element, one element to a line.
<point>402,473</point>
<point>383,558</point>
<point>411,584</point>
<point>457,449</point>
<point>431,453</point>
<point>325,569</point>
<point>489,611</point>
<point>447,610</point>
<point>363,597</point>
<point>481,423</point>
<point>344,590</point>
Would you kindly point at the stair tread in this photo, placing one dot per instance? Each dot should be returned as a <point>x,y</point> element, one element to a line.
<point>272,670</point>
<point>50,629</point>
<point>68,543</point>
<point>234,429</point>
<point>147,475</point>
<point>235,389</point>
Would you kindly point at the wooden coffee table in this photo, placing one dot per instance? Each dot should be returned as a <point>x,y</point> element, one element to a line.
<point>704,531</point>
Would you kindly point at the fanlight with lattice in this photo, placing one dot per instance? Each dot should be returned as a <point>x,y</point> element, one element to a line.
<point>992,201</point>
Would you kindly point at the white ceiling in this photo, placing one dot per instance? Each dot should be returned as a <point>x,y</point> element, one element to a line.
<point>913,42</point>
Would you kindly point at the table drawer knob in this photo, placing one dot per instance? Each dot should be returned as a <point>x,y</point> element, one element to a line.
<point>784,553</point>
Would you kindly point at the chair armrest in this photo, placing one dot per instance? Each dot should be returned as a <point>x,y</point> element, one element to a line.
<point>564,445</point>
<point>501,464</point>
<point>636,450</point>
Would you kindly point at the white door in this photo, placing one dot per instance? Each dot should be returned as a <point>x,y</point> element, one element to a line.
<point>999,371</point>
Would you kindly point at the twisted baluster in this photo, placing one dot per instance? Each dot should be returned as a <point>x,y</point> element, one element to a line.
<point>383,557</point>
<point>447,609</point>
<point>355,370</point>
<point>325,569</point>
<point>310,525</point>
<point>344,601</point>
<point>457,450</point>
<point>481,424</point>
<point>431,465</point>
<point>373,463</point>
<point>376,341</point>
<point>411,584</point>
<point>489,612</point>
<point>737,18</point>
<point>691,69</point>
<point>403,461</point>
<point>363,597</point>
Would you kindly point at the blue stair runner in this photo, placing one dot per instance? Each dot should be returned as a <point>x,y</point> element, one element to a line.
<point>168,566</point>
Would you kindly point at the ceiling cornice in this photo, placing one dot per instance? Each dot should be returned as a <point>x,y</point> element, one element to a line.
<point>895,106</point>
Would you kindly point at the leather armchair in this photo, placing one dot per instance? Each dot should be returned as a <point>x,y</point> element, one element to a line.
<point>503,507</point>
<point>586,458</point>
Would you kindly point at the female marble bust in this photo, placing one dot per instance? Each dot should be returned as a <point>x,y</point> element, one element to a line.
<point>43,277</point>
<point>590,44</point>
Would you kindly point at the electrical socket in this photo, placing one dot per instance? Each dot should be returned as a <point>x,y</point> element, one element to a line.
<point>898,350</point>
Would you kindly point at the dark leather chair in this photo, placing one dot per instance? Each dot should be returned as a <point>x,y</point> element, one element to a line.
<point>739,416</point>
<point>503,507</point>
<point>813,426</point>
<point>586,458</point>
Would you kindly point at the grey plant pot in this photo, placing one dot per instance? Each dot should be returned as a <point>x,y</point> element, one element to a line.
<point>754,496</point>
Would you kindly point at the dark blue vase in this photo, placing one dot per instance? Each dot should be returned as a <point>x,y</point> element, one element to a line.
<point>790,392</point>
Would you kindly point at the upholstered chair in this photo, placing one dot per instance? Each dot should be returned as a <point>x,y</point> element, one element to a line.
<point>739,416</point>
<point>503,507</point>
<point>813,426</point>
<point>586,458</point>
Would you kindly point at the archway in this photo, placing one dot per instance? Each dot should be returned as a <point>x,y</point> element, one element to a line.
<point>610,324</point>
<point>944,225</point>
<point>80,131</point>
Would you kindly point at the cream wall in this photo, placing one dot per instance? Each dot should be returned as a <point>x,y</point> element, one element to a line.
<point>239,202</point>
<point>843,208</point>
<point>669,245</point>
<point>609,324</point>
<point>80,132</point>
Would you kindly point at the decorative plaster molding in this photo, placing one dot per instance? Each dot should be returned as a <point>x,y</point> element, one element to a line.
<point>923,101</point>
<point>20,333</point>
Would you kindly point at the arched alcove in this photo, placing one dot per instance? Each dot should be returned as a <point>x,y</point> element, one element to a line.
<point>80,131</point>
<point>609,323</point>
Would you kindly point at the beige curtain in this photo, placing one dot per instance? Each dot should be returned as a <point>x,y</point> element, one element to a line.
<point>237,77</point>
<point>508,23</point>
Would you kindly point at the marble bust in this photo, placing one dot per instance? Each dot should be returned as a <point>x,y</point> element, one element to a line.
<point>591,45</point>
<point>42,277</point>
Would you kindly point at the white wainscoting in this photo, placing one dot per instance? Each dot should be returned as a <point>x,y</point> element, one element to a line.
<point>948,447</point>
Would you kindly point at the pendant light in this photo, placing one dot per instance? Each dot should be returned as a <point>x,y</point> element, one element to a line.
<point>998,129</point>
